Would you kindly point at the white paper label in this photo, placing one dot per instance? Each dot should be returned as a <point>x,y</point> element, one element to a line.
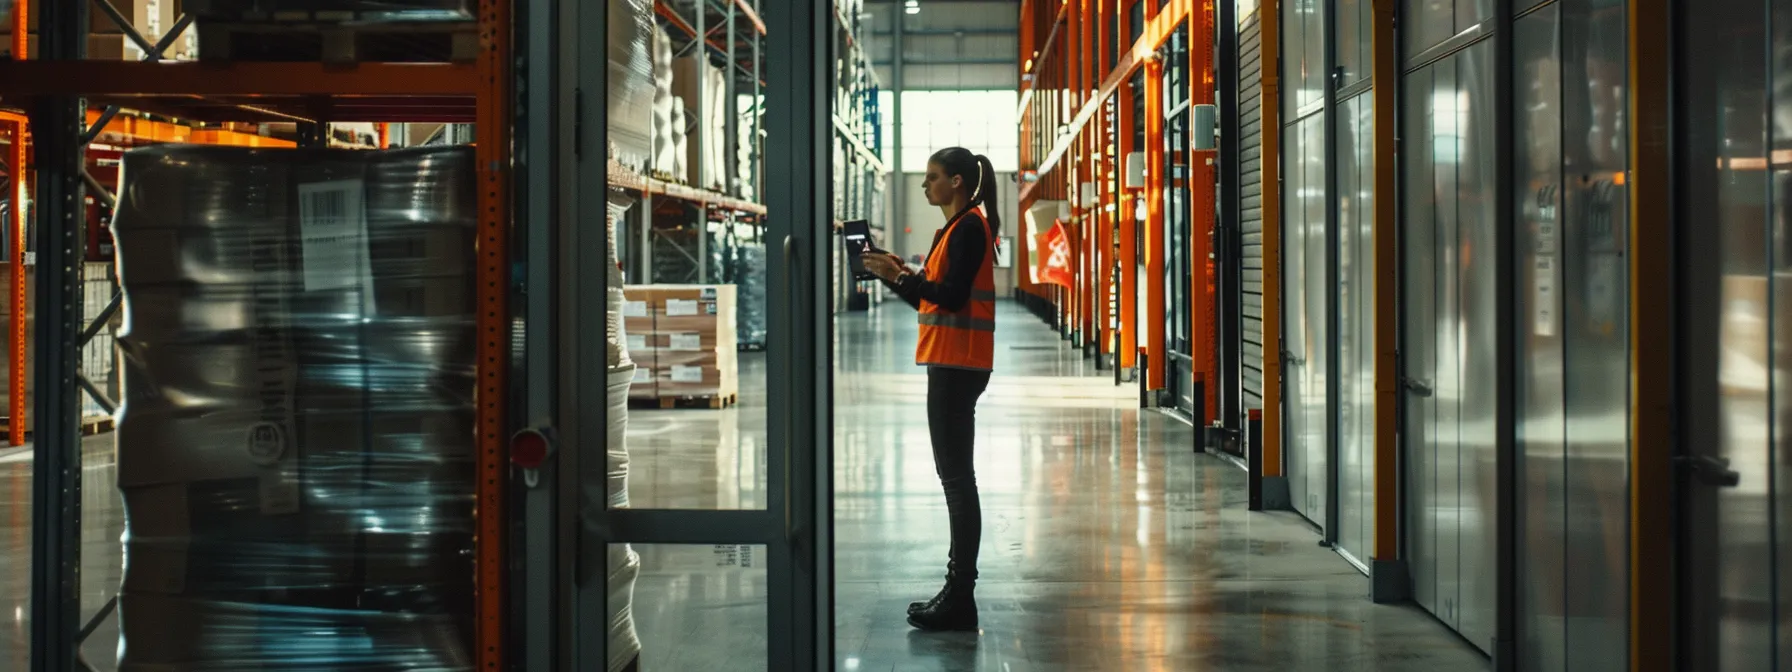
<point>691,342</point>
<point>687,374</point>
<point>730,555</point>
<point>643,375</point>
<point>634,309</point>
<point>333,237</point>
<point>680,307</point>
<point>637,342</point>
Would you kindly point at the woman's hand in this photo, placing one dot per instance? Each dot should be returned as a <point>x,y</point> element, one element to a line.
<point>885,266</point>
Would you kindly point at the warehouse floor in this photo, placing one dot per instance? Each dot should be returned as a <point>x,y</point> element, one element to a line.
<point>1108,544</point>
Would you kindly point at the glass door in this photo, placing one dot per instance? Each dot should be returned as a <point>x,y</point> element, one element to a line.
<point>680,520</point>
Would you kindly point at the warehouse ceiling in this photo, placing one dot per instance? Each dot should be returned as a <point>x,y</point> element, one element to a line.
<point>946,44</point>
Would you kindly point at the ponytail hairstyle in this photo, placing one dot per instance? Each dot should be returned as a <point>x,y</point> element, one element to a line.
<point>979,177</point>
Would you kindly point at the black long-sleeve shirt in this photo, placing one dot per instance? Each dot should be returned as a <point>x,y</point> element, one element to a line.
<point>964,258</point>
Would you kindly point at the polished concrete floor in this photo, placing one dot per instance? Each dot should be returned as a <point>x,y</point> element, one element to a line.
<point>1108,543</point>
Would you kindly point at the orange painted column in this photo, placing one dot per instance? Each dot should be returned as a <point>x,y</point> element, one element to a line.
<point>19,338</point>
<point>1271,125</point>
<point>17,343</point>
<point>492,130</point>
<point>1155,166</point>
<point>1203,210</point>
<point>1126,219</point>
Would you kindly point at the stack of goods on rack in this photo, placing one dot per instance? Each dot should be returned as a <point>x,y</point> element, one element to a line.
<point>632,96</point>
<point>359,10</point>
<point>105,39</point>
<point>686,335</point>
<point>624,563</point>
<point>339,31</point>
<point>296,444</point>
<point>701,86</point>
<point>749,275</point>
<point>668,154</point>
<point>677,253</point>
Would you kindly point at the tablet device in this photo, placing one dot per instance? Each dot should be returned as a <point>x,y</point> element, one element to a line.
<point>856,235</point>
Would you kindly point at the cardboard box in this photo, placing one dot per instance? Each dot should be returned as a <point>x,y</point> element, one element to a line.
<point>684,335</point>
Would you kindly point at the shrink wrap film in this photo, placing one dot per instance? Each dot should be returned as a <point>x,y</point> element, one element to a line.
<point>681,156</point>
<point>616,303</point>
<point>295,441</point>
<point>664,160</point>
<point>633,91</point>
<point>625,564</point>
<point>750,310</point>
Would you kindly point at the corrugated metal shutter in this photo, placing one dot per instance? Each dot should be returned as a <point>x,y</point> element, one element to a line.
<point>1250,182</point>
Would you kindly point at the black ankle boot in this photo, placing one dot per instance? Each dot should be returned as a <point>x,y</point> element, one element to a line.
<point>954,610</point>
<point>918,606</point>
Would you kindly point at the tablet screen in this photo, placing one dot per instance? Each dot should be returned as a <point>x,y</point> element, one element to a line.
<point>857,236</point>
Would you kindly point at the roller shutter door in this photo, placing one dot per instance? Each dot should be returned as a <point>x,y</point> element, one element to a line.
<point>1250,182</point>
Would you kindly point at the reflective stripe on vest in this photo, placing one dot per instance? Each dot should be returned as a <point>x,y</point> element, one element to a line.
<point>963,338</point>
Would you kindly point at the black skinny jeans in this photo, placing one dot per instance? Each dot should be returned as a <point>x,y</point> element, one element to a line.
<point>952,421</point>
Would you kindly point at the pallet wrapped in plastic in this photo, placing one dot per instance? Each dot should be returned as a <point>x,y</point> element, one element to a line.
<point>296,441</point>
<point>750,308</point>
<point>633,90</point>
<point>665,117</point>
<point>625,564</point>
<point>616,349</point>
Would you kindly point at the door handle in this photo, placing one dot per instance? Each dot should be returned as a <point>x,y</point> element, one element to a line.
<point>790,415</point>
<point>1711,470</point>
<point>1415,386</point>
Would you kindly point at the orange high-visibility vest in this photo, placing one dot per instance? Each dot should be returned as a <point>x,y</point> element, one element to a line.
<point>965,338</point>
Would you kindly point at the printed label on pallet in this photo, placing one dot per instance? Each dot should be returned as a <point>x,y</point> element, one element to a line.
<point>680,307</point>
<point>333,238</point>
<point>688,342</point>
<point>687,374</point>
<point>634,309</point>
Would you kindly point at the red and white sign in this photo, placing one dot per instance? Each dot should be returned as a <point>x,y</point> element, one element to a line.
<point>1053,265</point>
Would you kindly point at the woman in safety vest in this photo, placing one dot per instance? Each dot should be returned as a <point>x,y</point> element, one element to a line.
<point>956,296</point>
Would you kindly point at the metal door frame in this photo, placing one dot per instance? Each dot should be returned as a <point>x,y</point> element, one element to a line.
<point>559,562</point>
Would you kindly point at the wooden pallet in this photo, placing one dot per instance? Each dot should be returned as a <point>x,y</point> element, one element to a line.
<point>264,41</point>
<point>90,425</point>
<point>668,403</point>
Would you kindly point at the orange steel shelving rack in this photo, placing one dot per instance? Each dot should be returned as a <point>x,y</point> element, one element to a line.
<point>477,92</point>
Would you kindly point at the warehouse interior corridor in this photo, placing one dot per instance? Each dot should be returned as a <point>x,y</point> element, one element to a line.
<point>1109,543</point>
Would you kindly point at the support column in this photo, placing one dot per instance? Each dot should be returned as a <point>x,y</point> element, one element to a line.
<point>1273,489</point>
<point>1391,581</point>
<point>1156,171</point>
<point>1652,320</point>
<point>1202,208</point>
<point>1126,217</point>
<point>57,123</point>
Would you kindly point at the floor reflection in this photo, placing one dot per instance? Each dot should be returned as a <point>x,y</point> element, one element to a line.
<point>1108,544</point>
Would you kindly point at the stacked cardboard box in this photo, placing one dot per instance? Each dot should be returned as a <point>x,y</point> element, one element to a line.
<point>296,441</point>
<point>105,40</point>
<point>683,339</point>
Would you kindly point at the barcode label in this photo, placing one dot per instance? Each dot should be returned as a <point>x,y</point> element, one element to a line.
<point>333,238</point>
<point>688,342</point>
<point>687,374</point>
<point>323,208</point>
<point>680,307</point>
